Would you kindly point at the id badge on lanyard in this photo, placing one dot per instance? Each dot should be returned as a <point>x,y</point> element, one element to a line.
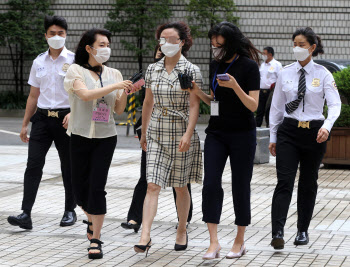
<point>101,112</point>
<point>214,105</point>
<point>214,108</point>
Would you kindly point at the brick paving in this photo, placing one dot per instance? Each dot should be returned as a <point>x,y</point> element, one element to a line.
<point>48,244</point>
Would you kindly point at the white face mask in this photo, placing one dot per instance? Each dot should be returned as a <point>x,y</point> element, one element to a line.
<point>264,57</point>
<point>103,54</point>
<point>56,42</point>
<point>216,52</point>
<point>301,53</point>
<point>170,50</point>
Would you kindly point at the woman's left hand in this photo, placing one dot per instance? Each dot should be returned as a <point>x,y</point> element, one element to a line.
<point>185,143</point>
<point>232,83</point>
<point>322,135</point>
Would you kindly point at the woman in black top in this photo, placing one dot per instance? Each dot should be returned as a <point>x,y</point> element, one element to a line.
<point>231,131</point>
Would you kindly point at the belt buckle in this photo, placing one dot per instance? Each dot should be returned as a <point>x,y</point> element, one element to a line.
<point>52,113</point>
<point>164,111</point>
<point>304,124</point>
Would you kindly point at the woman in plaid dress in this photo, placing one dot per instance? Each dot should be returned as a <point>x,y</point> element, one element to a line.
<point>174,158</point>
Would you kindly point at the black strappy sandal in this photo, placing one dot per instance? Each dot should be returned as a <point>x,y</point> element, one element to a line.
<point>88,231</point>
<point>94,256</point>
<point>143,248</point>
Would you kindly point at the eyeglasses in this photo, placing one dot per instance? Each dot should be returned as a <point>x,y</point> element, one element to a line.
<point>170,40</point>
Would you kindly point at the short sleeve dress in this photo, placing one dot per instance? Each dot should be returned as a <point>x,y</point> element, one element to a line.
<point>166,166</point>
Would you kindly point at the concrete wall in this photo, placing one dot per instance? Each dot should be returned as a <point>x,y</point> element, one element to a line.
<point>265,22</point>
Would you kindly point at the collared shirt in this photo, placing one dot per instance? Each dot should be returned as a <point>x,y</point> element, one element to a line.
<point>320,85</point>
<point>166,87</point>
<point>269,73</point>
<point>48,75</point>
<point>80,121</point>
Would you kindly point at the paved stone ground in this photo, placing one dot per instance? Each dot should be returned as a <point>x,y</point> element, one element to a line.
<point>50,245</point>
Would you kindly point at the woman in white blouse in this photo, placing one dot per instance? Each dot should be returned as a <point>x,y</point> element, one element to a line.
<point>95,91</point>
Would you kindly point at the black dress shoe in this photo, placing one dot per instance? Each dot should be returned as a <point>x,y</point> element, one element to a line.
<point>277,240</point>
<point>134,226</point>
<point>69,218</point>
<point>178,247</point>
<point>302,238</point>
<point>23,221</point>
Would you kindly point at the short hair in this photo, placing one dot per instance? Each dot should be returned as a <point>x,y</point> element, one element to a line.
<point>55,20</point>
<point>182,29</point>
<point>269,50</point>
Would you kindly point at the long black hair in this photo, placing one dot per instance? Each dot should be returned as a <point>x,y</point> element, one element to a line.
<point>235,42</point>
<point>88,38</point>
<point>312,39</point>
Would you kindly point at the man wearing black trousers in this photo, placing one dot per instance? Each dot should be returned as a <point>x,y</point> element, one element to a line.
<point>48,110</point>
<point>269,70</point>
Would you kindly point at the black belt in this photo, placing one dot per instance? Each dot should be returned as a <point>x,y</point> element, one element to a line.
<point>55,113</point>
<point>264,90</point>
<point>304,124</point>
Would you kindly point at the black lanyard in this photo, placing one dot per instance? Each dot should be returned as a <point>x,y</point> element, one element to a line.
<point>99,76</point>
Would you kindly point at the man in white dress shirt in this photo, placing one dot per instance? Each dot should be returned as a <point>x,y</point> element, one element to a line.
<point>48,110</point>
<point>269,70</point>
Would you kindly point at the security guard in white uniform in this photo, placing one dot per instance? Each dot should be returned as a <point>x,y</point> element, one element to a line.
<point>269,70</point>
<point>48,110</point>
<point>299,132</point>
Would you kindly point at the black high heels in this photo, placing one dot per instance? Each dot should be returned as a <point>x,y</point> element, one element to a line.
<point>128,225</point>
<point>181,247</point>
<point>143,248</point>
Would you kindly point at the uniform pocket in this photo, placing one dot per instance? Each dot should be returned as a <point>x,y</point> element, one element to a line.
<point>287,86</point>
<point>41,74</point>
<point>315,90</point>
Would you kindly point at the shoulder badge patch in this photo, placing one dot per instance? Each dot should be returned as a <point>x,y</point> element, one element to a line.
<point>334,85</point>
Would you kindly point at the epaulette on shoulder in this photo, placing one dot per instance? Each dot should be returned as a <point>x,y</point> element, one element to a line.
<point>289,65</point>
<point>41,54</point>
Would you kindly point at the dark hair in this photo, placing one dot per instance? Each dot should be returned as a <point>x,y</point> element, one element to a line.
<point>269,50</point>
<point>88,38</point>
<point>155,53</point>
<point>235,42</point>
<point>55,20</point>
<point>183,30</point>
<point>312,39</point>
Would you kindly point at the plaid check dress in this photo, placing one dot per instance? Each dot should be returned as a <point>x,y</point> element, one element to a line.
<point>166,166</point>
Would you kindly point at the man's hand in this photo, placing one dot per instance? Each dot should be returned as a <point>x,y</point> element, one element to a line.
<point>65,121</point>
<point>272,148</point>
<point>23,135</point>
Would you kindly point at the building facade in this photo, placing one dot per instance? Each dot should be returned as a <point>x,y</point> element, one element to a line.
<point>265,22</point>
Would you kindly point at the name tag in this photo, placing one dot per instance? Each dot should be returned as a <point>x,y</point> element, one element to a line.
<point>214,108</point>
<point>101,112</point>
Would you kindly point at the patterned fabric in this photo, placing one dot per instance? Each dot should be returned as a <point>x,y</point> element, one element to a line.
<point>291,106</point>
<point>166,166</point>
